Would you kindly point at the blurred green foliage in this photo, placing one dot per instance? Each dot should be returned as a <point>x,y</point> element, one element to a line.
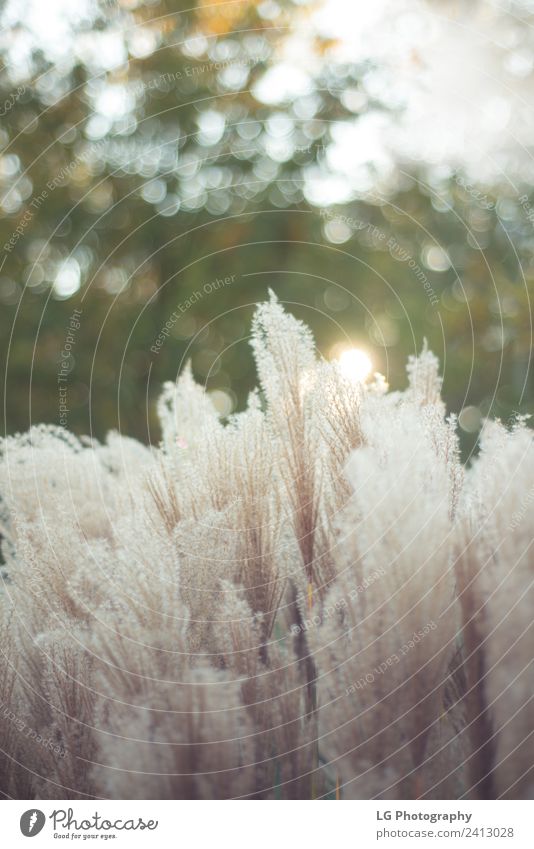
<point>137,185</point>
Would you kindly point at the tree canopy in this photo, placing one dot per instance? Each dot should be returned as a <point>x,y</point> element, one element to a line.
<point>164,164</point>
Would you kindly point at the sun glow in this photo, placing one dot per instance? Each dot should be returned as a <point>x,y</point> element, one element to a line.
<point>355,364</point>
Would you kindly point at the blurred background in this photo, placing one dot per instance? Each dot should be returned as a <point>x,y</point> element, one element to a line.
<point>163,164</point>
